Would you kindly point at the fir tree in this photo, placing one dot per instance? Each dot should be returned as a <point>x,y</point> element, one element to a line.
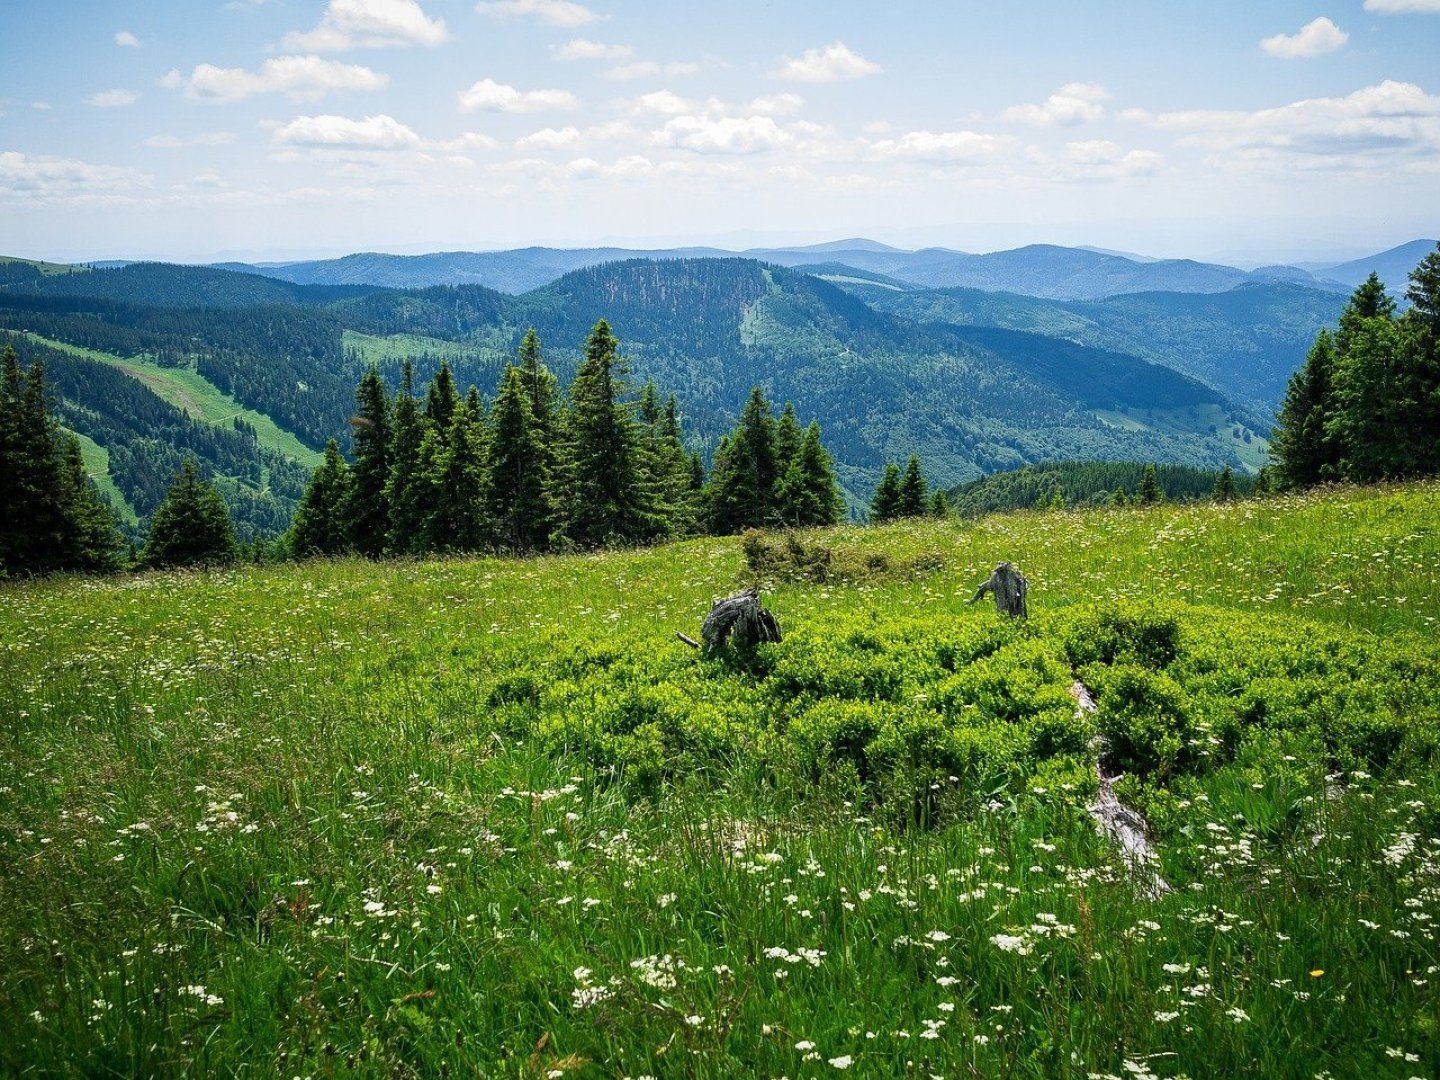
<point>808,494</point>
<point>518,493</point>
<point>1225,485</point>
<point>1149,493</point>
<point>885,505</point>
<point>913,490</point>
<point>367,510</point>
<point>319,527</point>
<point>192,527</point>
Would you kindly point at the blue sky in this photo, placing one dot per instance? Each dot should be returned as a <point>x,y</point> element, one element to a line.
<point>295,128</point>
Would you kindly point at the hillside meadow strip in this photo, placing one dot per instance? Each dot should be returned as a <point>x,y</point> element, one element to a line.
<point>490,817</point>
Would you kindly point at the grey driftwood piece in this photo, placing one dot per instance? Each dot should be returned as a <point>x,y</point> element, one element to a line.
<point>1125,828</point>
<point>740,618</point>
<point>1009,588</point>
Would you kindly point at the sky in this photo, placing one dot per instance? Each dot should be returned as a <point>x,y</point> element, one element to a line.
<point>1247,131</point>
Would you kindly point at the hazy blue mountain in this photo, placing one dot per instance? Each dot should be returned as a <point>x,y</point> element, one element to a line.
<point>1245,342</point>
<point>1037,270</point>
<point>1393,266</point>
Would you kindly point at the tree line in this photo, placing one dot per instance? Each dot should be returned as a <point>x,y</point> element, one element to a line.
<point>1366,404</point>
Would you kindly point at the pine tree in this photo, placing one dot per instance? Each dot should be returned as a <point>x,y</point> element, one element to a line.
<point>367,510</point>
<point>808,494</point>
<point>518,492</point>
<point>610,502</point>
<point>1149,493</point>
<point>319,527</point>
<point>456,518</point>
<point>192,526</point>
<point>406,488</point>
<point>913,490</point>
<point>885,505</point>
<point>742,486</point>
<point>1225,485</point>
<point>1301,448</point>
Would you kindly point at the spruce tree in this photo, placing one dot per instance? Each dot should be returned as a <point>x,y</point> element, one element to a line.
<point>367,510</point>
<point>192,526</point>
<point>913,490</point>
<point>1149,493</point>
<point>442,399</point>
<point>885,505</point>
<point>518,493</point>
<point>788,437</point>
<point>742,486</point>
<point>319,527</point>
<point>939,505</point>
<point>808,494</point>
<point>609,501</point>
<point>91,539</point>
<point>1224,485</point>
<point>1371,408</point>
<point>406,488</point>
<point>456,517</point>
<point>1302,449</point>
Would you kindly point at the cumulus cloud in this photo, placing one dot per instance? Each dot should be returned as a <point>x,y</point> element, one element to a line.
<point>356,24</point>
<point>642,69</point>
<point>1315,38</point>
<point>126,40</point>
<point>176,142</point>
<point>372,133</point>
<point>831,63</point>
<point>661,103</point>
<point>549,139</point>
<point>724,135</point>
<point>112,99</point>
<point>1073,103</point>
<point>952,147</point>
<point>1102,159</point>
<point>1403,7</point>
<point>492,96</point>
<point>630,166</point>
<point>40,177</point>
<point>584,49</point>
<point>302,78</point>
<point>776,104</point>
<point>561,13</point>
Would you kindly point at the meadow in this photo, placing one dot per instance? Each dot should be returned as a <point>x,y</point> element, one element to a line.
<point>489,816</point>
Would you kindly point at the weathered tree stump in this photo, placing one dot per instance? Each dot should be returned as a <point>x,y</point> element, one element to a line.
<point>740,618</point>
<point>1009,588</point>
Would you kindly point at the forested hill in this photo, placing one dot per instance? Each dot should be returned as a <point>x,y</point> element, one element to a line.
<point>882,384</point>
<point>1080,483</point>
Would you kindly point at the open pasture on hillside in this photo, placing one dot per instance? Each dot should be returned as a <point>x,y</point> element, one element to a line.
<point>490,816</point>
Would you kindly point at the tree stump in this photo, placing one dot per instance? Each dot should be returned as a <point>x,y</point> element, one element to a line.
<point>740,618</point>
<point>1009,588</point>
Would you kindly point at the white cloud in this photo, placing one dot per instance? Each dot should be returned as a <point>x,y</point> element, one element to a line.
<point>112,99</point>
<point>354,24</point>
<point>171,80</point>
<point>40,177</point>
<point>302,78</point>
<point>955,147</point>
<point>549,139</point>
<point>583,49</point>
<point>1102,159</point>
<point>628,167</point>
<point>43,106</point>
<point>1361,130</point>
<point>776,104</point>
<point>832,63</point>
<point>372,133</point>
<point>125,39</point>
<point>551,12</point>
<point>1315,38</point>
<point>1073,103</point>
<point>642,69</point>
<point>1402,7</point>
<point>497,97</point>
<point>470,140</point>
<point>723,135</point>
<point>661,103</point>
<point>176,142</point>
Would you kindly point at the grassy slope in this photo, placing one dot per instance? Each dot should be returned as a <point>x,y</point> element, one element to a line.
<point>331,834</point>
<point>97,464</point>
<point>49,269</point>
<point>199,397</point>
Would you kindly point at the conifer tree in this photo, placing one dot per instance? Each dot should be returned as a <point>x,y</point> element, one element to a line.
<point>808,494</point>
<point>442,399</point>
<point>406,488</point>
<point>788,437</point>
<point>319,527</point>
<point>457,478</point>
<point>1225,485</point>
<point>1301,447</point>
<point>885,505</point>
<point>1371,409</point>
<point>1262,482</point>
<point>1149,493</point>
<point>609,502</point>
<point>192,526</point>
<point>913,490</point>
<point>518,493</point>
<point>742,486</point>
<point>939,505</point>
<point>367,510</point>
<point>91,541</point>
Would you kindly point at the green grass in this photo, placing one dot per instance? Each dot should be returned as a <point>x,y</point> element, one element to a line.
<point>97,465</point>
<point>49,269</point>
<point>489,816</point>
<point>199,398</point>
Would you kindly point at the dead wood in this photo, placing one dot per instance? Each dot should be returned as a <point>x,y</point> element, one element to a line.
<point>1009,588</point>
<point>740,618</point>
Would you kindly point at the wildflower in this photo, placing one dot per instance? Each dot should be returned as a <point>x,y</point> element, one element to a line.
<point>1317,973</point>
<point>1239,1015</point>
<point>844,1061</point>
<point>804,1044</point>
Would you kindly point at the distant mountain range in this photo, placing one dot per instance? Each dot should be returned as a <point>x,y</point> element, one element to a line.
<point>1043,270</point>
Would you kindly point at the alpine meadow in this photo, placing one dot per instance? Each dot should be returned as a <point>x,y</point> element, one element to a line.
<point>559,540</point>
